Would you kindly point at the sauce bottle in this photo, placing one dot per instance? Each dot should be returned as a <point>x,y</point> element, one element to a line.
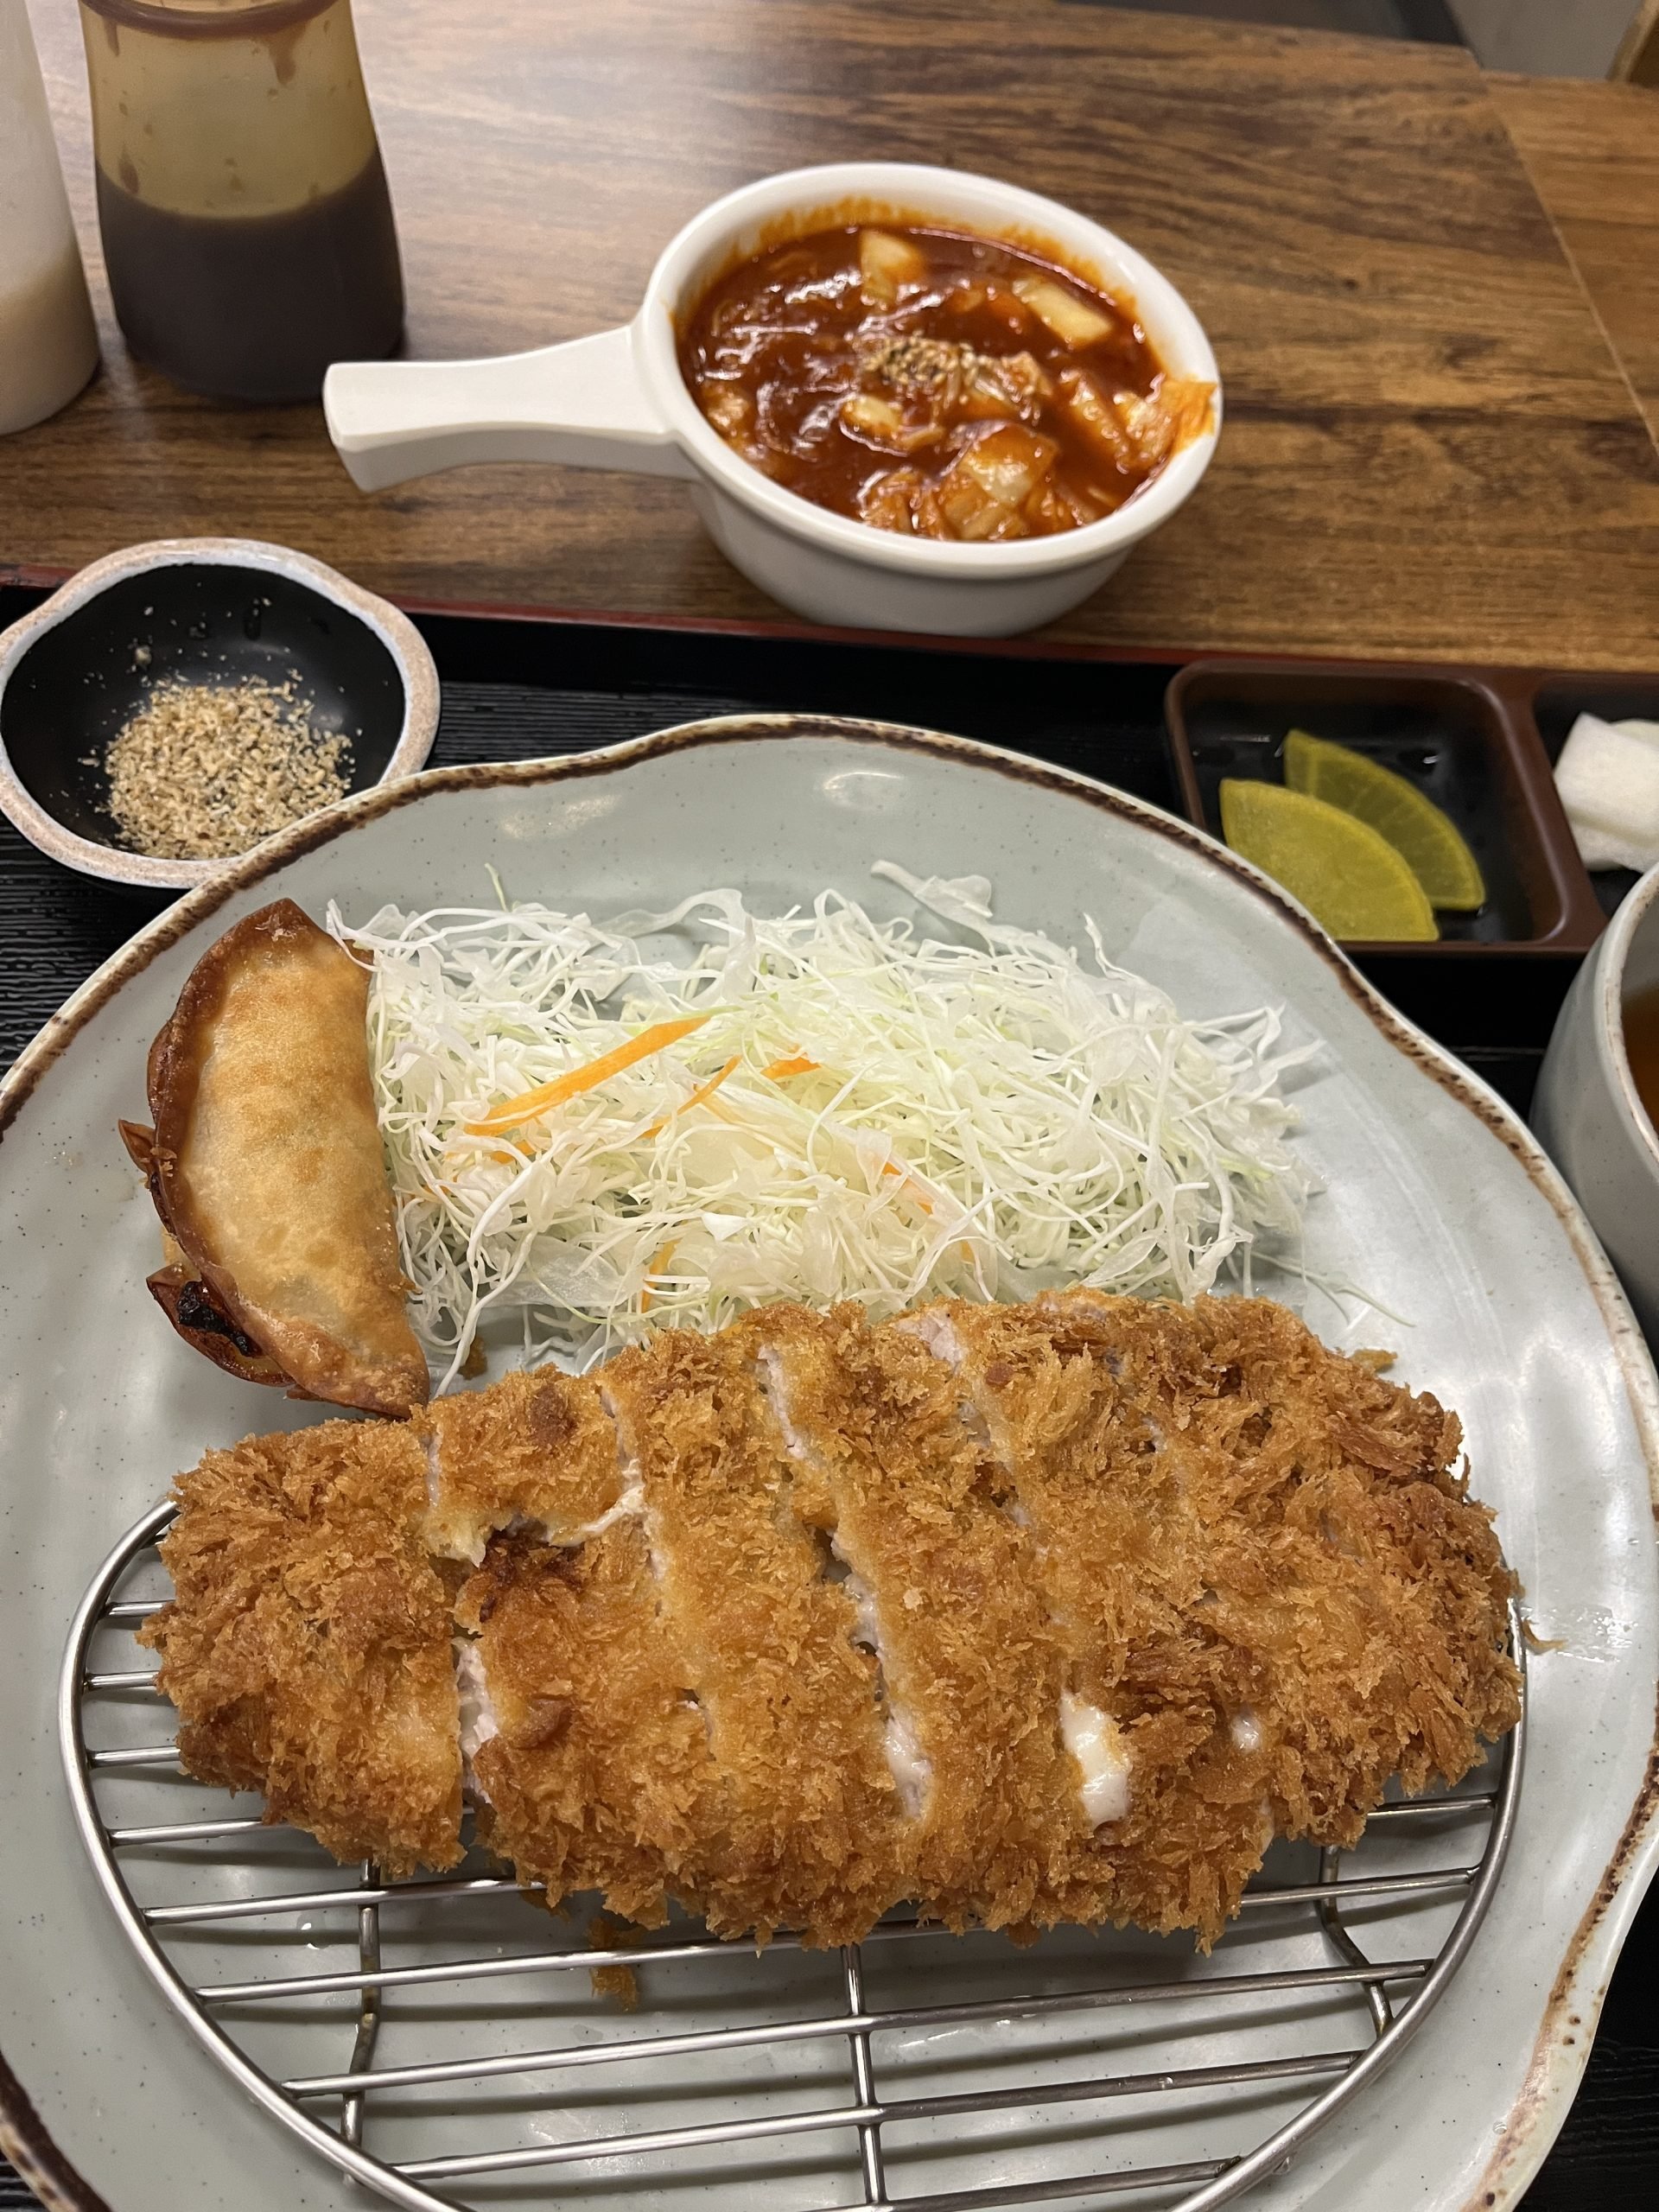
<point>48,347</point>
<point>247,228</point>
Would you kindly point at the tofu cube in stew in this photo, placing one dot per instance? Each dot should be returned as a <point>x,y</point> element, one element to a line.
<point>867,415</point>
<point>1074,321</point>
<point>1147,426</point>
<point>728,407</point>
<point>1014,384</point>
<point>1094,418</point>
<point>887,264</point>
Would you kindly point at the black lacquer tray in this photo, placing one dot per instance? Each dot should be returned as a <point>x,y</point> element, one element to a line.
<point>519,685</point>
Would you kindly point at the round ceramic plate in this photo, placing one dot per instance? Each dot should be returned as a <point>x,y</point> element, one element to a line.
<point>1435,1200</point>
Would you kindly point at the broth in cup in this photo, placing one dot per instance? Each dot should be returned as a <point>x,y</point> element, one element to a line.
<point>1641,1014</point>
<point>1593,1109</point>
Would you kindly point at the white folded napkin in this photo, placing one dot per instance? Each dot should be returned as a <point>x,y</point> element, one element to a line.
<point>1608,778</point>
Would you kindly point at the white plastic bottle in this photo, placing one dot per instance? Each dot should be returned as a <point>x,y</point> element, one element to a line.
<point>48,344</point>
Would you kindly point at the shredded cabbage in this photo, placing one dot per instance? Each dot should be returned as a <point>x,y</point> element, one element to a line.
<point>983,1118</point>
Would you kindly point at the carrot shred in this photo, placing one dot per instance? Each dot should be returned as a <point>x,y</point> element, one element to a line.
<point>703,1091</point>
<point>531,1103</point>
<point>664,1254</point>
<point>909,1184</point>
<point>483,1151</point>
<point>795,1064</point>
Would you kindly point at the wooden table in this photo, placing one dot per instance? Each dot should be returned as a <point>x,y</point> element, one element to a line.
<point>1592,151</point>
<point>1430,448</point>
<point>1435,443</point>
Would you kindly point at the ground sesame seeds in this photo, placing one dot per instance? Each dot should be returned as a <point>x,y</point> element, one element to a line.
<point>203,771</point>
<point>937,369</point>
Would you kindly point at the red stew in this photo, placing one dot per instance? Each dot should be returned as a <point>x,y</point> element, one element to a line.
<point>936,384</point>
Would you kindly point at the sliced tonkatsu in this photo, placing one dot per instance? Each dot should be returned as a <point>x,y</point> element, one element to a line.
<point>1247,1538</point>
<point>591,1761</point>
<point>536,1451</point>
<point>1158,1715</point>
<point>809,1825</point>
<point>307,1643</point>
<point>970,1661</point>
<point>1023,1614</point>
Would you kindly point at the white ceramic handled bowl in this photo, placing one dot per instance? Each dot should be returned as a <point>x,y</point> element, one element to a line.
<point>617,400</point>
<point>1586,1113</point>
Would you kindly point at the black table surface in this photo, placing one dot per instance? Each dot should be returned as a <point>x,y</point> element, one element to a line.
<point>519,691</point>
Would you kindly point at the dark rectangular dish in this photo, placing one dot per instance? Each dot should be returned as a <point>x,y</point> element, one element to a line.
<point>1470,745</point>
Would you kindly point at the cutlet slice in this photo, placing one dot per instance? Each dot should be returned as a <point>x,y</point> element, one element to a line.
<point>1346,1587</point>
<point>810,1825</point>
<point>1353,1564</point>
<point>308,1644</point>
<point>589,1751</point>
<point>583,1751</point>
<point>534,1449</point>
<point>1158,1715</point>
<point>970,1662</point>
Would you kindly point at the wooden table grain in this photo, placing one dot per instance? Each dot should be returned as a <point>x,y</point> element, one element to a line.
<point>1592,152</point>
<point>1435,443</point>
<point>1430,447</point>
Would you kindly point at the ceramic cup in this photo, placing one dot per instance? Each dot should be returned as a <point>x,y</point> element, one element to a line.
<point>617,400</point>
<point>1586,1113</point>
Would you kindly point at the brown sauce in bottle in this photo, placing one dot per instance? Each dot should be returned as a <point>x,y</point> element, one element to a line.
<point>256,307</point>
<point>247,226</point>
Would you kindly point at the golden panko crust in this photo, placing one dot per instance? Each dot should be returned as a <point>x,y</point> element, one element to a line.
<point>793,1623</point>
<point>307,1643</point>
<point>535,1447</point>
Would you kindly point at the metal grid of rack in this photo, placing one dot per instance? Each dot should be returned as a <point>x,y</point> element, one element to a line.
<point>440,2041</point>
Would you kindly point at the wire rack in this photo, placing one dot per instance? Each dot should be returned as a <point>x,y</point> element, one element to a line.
<point>444,2042</point>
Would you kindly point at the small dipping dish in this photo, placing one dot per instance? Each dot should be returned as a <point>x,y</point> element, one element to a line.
<point>211,611</point>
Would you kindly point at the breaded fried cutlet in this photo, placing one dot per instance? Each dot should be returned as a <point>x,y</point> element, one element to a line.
<point>1024,1614</point>
<point>592,1764</point>
<point>1275,1585</point>
<point>307,1643</point>
<point>809,1819</point>
<point>537,1449</point>
<point>968,1654</point>
<point>1162,1718</point>
<point>1375,1636</point>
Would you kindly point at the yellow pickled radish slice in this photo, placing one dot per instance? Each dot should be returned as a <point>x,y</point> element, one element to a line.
<point>1425,838</point>
<point>1347,874</point>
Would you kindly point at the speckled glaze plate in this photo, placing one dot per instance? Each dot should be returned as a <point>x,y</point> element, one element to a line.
<point>1435,1200</point>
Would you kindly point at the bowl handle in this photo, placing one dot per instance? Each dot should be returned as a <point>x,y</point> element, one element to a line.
<point>583,403</point>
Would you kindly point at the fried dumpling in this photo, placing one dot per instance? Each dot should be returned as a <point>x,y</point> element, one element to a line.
<point>266,1168</point>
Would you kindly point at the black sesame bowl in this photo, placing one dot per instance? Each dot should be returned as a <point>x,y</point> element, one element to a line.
<point>213,612</point>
